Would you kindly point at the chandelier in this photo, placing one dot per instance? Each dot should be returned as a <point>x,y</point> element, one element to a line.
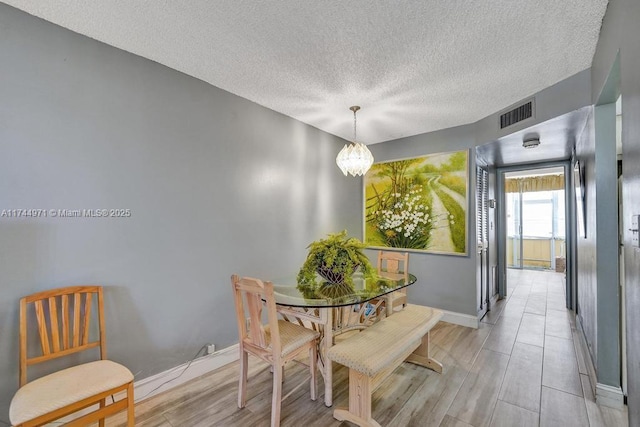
<point>355,158</point>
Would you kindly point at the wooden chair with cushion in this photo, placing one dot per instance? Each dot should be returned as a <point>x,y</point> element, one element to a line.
<point>64,322</point>
<point>396,265</point>
<point>276,343</point>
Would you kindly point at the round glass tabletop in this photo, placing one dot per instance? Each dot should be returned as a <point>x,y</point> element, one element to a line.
<point>324,294</point>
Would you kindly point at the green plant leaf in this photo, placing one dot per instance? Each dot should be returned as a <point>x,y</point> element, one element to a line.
<point>339,253</point>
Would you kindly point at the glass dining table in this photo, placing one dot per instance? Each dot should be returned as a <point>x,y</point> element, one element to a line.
<point>333,309</point>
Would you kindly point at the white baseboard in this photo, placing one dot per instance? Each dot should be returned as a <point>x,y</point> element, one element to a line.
<point>146,387</point>
<point>610,396</point>
<point>606,395</point>
<point>460,319</point>
<point>582,346</point>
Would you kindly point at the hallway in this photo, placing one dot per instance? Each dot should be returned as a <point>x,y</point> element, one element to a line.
<point>545,376</point>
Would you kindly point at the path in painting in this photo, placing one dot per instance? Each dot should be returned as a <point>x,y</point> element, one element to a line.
<point>440,231</point>
<point>455,196</point>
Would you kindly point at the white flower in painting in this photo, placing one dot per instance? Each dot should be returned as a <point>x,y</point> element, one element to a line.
<point>405,216</point>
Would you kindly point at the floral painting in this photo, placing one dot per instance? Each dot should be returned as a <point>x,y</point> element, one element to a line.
<point>418,204</point>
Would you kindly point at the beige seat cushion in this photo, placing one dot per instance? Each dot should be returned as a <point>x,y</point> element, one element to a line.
<point>376,347</point>
<point>65,387</point>
<point>292,336</point>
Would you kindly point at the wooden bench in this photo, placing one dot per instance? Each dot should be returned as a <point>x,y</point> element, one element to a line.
<point>373,354</point>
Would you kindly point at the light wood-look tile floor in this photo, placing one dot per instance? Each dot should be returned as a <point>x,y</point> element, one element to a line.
<point>519,368</point>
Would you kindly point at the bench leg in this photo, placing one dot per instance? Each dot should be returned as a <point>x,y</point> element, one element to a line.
<point>344,415</point>
<point>422,357</point>
<point>360,390</point>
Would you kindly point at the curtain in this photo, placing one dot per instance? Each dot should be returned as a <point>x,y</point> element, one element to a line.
<point>534,183</point>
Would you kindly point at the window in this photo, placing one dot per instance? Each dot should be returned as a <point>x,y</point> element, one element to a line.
<point>543,214</point>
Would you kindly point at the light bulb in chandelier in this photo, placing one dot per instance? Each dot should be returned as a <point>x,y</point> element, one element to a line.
<point>354,158</point>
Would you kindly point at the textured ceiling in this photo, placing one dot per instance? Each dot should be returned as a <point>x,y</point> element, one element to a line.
<point>414,66</point>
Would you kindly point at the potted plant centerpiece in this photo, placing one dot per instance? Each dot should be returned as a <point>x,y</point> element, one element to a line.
<point>335,259</point>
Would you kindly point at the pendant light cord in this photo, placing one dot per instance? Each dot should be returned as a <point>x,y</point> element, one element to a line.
<point>354,126</point>
<point>355,108</point>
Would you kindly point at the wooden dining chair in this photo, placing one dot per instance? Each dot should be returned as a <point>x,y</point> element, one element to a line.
<point>276,343</point>
<point>395,265</point>
<point>64,323</point>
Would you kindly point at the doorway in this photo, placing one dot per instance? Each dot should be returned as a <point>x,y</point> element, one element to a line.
<point>533,225</point>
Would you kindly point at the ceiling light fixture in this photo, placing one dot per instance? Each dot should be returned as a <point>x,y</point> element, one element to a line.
<point>531,142</point>
<point>354,159</point>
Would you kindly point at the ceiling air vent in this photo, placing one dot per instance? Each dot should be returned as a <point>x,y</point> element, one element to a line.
<point>516,115</point>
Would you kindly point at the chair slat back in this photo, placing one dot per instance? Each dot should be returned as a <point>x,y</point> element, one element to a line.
<point>251,297</point>
<point>57,335</point>
<point>393,262</point>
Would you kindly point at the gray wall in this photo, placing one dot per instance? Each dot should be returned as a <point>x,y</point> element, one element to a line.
<point>586,247</point>
<point>619,35</point>
<point>608,295</point>
<point>447,282</point>
<point>216,185</point>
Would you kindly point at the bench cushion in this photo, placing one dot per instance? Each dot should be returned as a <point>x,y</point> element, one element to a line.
<point>373,349</point>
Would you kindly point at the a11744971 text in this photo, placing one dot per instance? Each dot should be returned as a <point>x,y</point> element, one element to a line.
<point>65,213</point>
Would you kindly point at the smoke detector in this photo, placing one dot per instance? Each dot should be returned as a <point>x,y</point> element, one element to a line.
<point>531,142</point>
